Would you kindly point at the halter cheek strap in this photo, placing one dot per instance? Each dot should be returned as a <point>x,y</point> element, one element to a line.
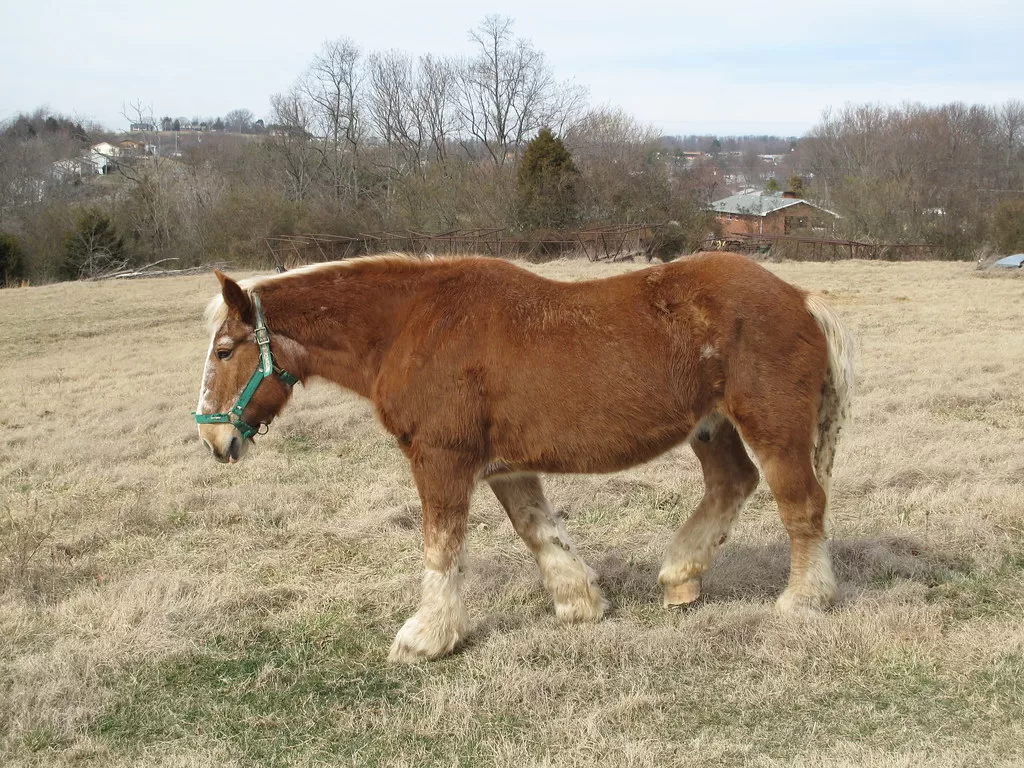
<point>264,368</point>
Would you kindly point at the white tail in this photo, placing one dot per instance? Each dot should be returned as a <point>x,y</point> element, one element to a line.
<point>836,392</point>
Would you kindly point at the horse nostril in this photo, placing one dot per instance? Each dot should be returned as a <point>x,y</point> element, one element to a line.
<point>207,444</point>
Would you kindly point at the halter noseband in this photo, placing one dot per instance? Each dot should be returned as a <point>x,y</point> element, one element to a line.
<point>264,368</point>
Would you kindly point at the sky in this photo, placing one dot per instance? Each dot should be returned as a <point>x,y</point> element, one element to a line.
<point>743,67</point>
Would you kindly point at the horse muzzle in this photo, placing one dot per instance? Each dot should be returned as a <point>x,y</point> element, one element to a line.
<point>224,441</point>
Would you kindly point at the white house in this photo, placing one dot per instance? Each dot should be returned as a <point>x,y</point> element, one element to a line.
<point>73,168</point>
<point>102,156</point>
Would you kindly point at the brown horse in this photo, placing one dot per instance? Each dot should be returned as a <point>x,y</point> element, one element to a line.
<point>483,370</point>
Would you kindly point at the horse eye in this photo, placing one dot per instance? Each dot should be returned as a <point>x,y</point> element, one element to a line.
<point>223,354</point>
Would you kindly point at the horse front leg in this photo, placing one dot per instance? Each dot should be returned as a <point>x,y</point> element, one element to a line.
<point>440,623</point>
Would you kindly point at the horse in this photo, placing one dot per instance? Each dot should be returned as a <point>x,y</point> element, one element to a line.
<point>482,370</point>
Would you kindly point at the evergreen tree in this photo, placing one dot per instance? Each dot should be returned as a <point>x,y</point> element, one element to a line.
<point>546,183</point>
<point>93,247</point>
<point>11,259</point>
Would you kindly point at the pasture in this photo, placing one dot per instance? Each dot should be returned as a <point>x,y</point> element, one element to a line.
<point>159,609</point>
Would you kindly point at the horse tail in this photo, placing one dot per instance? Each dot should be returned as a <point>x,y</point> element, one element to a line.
<point>836,390</point>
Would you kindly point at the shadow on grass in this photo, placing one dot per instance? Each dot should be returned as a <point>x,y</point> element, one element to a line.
<point>760,572</point>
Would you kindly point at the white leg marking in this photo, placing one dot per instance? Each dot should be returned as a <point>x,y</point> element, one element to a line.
<point>695,544</point>
<point>571,582</point>
<point>439,624</point>
<point>812,587</point>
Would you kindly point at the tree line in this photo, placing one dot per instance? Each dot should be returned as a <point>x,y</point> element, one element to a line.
<point>366,141</point>
<point>236,121</point>
<point>362,142</point>
<point>951,175</point>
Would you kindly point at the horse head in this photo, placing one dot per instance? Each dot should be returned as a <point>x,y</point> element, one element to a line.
<point>242,388</point>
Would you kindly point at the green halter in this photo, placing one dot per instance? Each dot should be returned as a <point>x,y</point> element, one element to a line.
<point>264,369</point>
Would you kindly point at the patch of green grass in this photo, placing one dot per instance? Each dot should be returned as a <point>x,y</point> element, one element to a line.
<point>983,593</point>
<point>298,445</point>
<point>266,692</point>
<point>320,689</point>
<point>892,704</point>
<point>42,739</point>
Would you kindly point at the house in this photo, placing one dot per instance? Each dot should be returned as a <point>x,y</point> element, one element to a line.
<point>132,147</point>
<point>690,159</point>
<point>73,168</point>
<point>102,156</point>
<point>764,213</point>
<point>137,127</point>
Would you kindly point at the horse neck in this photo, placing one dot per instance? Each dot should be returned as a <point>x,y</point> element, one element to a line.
<point>341,322</point>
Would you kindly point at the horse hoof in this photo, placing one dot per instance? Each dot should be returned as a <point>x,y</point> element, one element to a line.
<point>792,601</point>
<point>684,594</point>
<point>585,608</point>
<point>424,638</point>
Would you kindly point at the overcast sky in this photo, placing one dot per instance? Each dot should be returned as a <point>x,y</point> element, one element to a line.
<point>736,67</point>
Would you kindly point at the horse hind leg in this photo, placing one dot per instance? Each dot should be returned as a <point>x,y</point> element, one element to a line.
<point>729,479</point>
<point>783,447</point>
<point>572,584</point>
<point>801,500</point>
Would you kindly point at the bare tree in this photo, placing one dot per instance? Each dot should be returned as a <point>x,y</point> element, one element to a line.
<point>333,85</point>
<point>293,142</point>
<point>1010,121</point>
<point>435,92</point>
<point>609,133</point>
<point>393,106</point>
<point>619,183</point>
<point>918,173</point>
<point>22,174</point>
<point>1011,124</point>
<point>137,114</point>
<point>507,91</point>
<point>239,120</point>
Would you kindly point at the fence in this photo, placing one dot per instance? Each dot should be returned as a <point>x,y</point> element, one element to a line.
<point>605,243</point>
<point>611,243</point>
<point>820,249</point>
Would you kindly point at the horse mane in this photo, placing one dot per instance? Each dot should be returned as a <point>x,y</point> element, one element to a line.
<point>217,312</point>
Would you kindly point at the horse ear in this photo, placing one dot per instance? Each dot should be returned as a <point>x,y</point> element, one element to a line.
<point>238,302</point>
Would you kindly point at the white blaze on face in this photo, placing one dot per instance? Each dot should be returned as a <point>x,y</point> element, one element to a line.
<point>205,406</point>
<point>204,390</point>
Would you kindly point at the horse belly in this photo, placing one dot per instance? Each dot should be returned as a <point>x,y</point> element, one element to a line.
<point>596,442</point>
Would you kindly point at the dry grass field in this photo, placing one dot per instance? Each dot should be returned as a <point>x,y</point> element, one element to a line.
<point>159,609</point>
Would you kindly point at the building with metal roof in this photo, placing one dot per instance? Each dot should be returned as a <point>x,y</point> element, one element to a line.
<point>777,213</point>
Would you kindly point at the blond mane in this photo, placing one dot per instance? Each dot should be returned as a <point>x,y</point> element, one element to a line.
<point>216,312</point>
